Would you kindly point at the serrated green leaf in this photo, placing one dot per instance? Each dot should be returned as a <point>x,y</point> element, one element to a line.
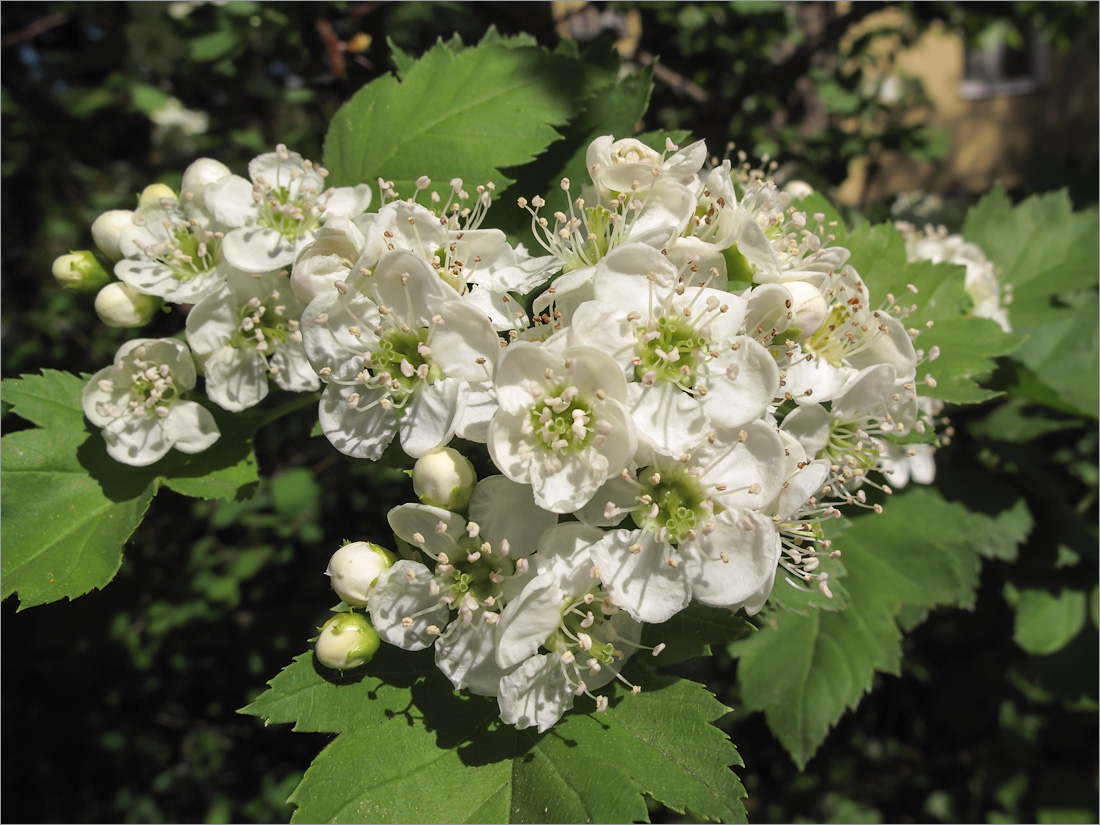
<point>465,115</point>
<point>413,750</point>
<point>805,671</point>
<point>1045,252</point>
<point>967,345</point>
<point>63,528</point>
<point>69,508</point>
<point>612,107</point>
<point>46,399</point>
<point>1046,622</point>
<point>401,59</point>
<point>692,631</point>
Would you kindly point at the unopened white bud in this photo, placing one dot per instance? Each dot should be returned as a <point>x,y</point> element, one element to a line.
<point>80,272</point>
<point>347,641</point>
<point>119,305</point>
<point>353,569</point>
<point>200,173</point>
<point>154,193</point>
<point>444,478</point>
<point>106,230</point>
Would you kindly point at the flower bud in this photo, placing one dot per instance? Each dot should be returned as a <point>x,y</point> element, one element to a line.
<point>798,189</point>
<point>809,307</point>
<point>80,272</point>
<point>119,305</point>
<point>444,478</point>
<point>156,192</point>
<point>347,641</point>
<point>353,569</point>
<point>106,230</point>
<point>198,175</point>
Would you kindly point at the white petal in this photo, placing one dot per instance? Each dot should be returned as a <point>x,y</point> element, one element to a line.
<point>529,620</point>
<point>395,598</point>
<point>429,419</point>
<point>536,694</point>
<point>136,441</point>
<point>236,379</point>
<point>737,400</point>
<point>750,541</point>
<point>255,249</point>
<point>230,201</point>
<point>641,583</point>
<point>361,431</point>
<point>411,520</point>
<point>190,427</point>
<point>212,321</point>
<point>466,657</point>
<point>667,419</point>
<point>481,404</point>
<point>506,510</point>
<point>811,425</point>
<point>292,370</point>
<point>346,201</point>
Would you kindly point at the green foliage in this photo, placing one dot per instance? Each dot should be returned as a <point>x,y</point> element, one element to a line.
<point>412,750</point>
<point>1046,253</point>
<point>968,346</point>
<point>805,670</point>
<point>468,114</point>
<point>70,508</point>
<point>1047,622</point>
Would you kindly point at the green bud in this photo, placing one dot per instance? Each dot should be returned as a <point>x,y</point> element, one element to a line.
<point>347,641</point>
<point>353,569</point>
<point>444,478</point>
<point>119,305</point>
<point>80,272</point>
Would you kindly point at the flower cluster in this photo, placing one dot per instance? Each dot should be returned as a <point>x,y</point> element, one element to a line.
<point>674,398</point>
<point>221,248</point>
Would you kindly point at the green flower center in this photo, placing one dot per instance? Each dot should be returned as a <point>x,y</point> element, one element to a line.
<point>476,577</point>
<point>669,349</point>
<point>580,616</point>
<point>676,504</point>
<point>290,216</point>
<point>403,355</point>
<point>263,325</point>
<point>849,446</point>
<point>563,420</point>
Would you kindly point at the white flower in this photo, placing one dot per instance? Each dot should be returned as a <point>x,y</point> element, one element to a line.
<point>697,529</point>
<point>245,333</point>
<point>852,338</point>
<point>561,426</point>
<point>564,611</point>
<point>397,348</point>
<point>278,213</point>
<point>172,250</point>
<point>139,403</point>
<point>477,565</point>
<point>681,344</point>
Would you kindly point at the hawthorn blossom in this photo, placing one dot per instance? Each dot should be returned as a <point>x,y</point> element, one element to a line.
<point>139,403</point>
<point>697,529</point>
<point>681,344</point>
<point>564,611</point>
<point>246,333</point>
<point>398,351</point>
<point>561,425</point>
<point>270,219</point>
